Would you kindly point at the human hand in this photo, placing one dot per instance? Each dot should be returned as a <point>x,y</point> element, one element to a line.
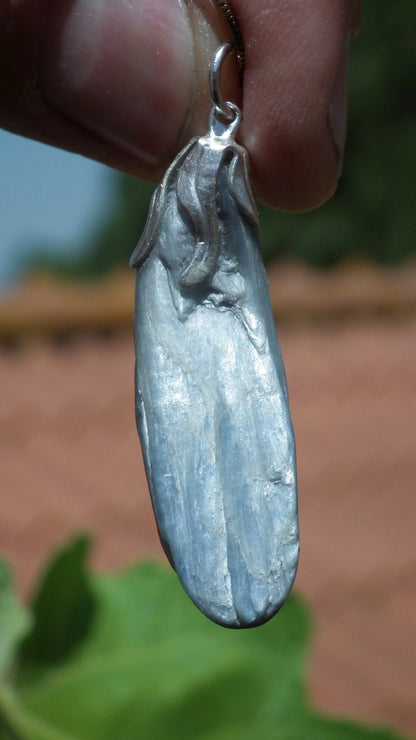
<point>125,82</point>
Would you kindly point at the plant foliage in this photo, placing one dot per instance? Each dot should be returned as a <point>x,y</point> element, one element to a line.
<point>142,662</point>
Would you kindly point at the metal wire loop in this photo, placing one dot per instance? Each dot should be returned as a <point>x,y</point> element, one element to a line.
<point>229,14</point>
<point>223,107</point>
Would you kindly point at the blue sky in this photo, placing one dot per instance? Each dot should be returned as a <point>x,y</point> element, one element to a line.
<point>48,198</point>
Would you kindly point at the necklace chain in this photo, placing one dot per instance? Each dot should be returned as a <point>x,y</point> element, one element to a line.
<point>225,7</point>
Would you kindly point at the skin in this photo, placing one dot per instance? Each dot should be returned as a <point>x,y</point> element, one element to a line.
<point>126,83</point>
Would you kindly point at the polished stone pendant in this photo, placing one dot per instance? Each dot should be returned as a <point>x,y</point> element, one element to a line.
<point>211,397</point>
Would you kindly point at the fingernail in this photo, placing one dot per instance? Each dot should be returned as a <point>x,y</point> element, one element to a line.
<point>337,111</point>
<point>123,70</point>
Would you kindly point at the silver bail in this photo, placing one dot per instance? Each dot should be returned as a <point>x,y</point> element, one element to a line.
<point>223,108</point>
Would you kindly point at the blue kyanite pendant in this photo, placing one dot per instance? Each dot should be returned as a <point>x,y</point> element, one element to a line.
<point>211,396</point>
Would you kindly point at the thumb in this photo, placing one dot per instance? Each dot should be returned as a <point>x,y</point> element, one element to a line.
<point>123,82</point>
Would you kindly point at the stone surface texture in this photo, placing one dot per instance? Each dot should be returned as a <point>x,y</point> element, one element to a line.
<point>211,396</point>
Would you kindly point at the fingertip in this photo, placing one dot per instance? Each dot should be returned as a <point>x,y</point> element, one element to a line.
<point>293,167</point>
<point>295,100</point>
<point>124,71</point>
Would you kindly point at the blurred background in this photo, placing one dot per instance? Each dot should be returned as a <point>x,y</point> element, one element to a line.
<point>343,290</point>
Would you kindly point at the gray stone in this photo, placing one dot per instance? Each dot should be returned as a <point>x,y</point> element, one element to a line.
<point>211,397</point>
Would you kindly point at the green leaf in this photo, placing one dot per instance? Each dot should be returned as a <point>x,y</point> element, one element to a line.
<point>14,621</point>
<point>16,723</point>
<point>131,657</point>
<point>63,608</point>
<point>151,666</point>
